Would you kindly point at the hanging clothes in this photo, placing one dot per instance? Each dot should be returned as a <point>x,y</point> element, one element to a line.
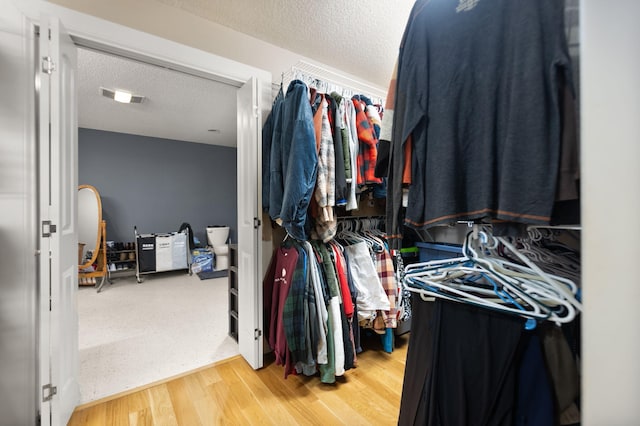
<point>293,162</point>
<point>295,312</point>
<point>334,309</point>
<point>267,138</point>
<point>352,134</point>
<point>342,139</point>
<point>486,136</point>
<point>474,348</point>
<point>544,374</point>
<point>279,283</point>
<point>338,149</point>
<point>384,268</point>
<point>368,151</point>
<point>320,151</point>
<point>325,196</point>
<point>371,295</point>
<point>320,304</point>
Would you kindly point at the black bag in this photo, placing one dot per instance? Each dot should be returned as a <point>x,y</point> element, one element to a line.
<point>192,243</point>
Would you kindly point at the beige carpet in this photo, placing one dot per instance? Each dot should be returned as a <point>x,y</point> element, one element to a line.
<point>134,334</point>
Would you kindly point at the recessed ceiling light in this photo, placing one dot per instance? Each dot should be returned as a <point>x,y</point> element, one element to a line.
<point>121,96</point>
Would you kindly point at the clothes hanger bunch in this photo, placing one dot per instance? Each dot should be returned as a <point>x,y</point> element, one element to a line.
<point>365,229</point>
<point>483,277</point>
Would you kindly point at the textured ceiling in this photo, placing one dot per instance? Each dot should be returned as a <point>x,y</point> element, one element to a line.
<point>360,38</point>
<point>177,106</point>
<point>357,37</point>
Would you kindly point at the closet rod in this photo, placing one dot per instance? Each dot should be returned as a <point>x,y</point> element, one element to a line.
<point>323,72</point>
<point>558,227</point>
<point>310,73</point>
<point>360,217</point>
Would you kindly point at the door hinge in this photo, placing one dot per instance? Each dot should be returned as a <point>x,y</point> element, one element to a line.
<point>256,111</point>
<point>52,390</point>
<point>257,334</point>
<point>47,65</point>
<point>48,228</point>
<point>256,223</point>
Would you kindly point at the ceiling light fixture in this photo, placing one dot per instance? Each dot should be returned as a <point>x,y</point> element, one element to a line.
<point>121,96</point>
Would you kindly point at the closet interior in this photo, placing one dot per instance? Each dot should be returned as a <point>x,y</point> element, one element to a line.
<point>472,163</point>
<point>491,200</point>
<point>331,275</point>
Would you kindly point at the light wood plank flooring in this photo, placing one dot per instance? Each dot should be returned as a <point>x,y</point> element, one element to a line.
<point>231,393</point>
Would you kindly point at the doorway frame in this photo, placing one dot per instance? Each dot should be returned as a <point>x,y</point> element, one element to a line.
<point>99,34</point>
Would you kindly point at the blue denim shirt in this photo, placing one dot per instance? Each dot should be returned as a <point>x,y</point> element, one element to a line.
<point>294,161</point>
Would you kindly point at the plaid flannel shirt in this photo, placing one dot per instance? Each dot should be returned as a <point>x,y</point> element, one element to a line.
<point>293,313</point>
<point>368,152</point>
<point>384,267</point>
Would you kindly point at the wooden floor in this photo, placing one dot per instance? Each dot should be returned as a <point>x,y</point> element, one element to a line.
<point>231,393</point>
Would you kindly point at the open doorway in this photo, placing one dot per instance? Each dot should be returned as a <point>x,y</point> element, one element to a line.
<point>166,160</point>
<point>41,81</point>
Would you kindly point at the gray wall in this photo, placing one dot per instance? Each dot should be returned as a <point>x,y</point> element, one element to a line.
<point>156,184</point>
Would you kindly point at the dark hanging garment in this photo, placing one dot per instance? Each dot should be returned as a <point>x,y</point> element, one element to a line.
<point>286,261</point>
<point>267,137</point>
<point>535,402</point>
<point>486,130</point>
<point>267,294</point>
<point>295,314</point>
<point>417,372</point>
<point>338,148</point>
<point>294,162</point>
<point>472,378</point>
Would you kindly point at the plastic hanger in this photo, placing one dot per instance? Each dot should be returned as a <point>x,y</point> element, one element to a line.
<point>520,290</point>
<point>435,279</point>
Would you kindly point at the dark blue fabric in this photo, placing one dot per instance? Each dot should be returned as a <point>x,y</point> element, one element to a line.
<point>535,405</point>
<point>294,161</point>
<point>478,91</point>
<point>267,138</point>
<point>474,371</point>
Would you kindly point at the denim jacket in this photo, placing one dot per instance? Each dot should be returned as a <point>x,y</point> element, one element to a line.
<point>294,161</point>
<point>267,137</point>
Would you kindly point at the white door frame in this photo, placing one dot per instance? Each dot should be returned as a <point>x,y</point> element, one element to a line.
<point>89,31</point>
<point>58,150</point>
<point>250,307</point>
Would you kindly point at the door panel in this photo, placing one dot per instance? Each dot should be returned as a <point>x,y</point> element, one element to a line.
<point>58,204</point>
<point>249,249</point>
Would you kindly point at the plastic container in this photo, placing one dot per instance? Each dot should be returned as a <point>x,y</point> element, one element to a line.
<point>437,251</point>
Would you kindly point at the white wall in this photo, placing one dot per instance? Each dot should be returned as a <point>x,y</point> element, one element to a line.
<point>186,28</point>
<point>610,208</point>
<point>18,285</point>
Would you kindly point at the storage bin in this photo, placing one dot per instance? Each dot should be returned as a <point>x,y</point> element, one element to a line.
<point>436,251</point>
<point>146,245</point>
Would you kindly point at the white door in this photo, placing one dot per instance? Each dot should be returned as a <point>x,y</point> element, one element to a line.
<point>249,250</point>
<point>58,185</point>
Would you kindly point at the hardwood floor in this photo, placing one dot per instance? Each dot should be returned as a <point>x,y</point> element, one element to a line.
<point>231,393</point>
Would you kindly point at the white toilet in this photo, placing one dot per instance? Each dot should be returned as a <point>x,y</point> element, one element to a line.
<point>217,237</point>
